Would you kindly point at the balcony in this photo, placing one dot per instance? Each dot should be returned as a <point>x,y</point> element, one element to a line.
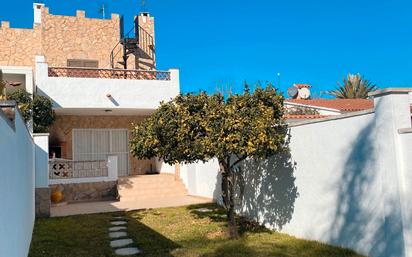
<point>108,73</point>
<point>90,91</point>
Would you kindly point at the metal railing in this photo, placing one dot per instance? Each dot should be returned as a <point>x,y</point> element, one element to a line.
<point>68,169</point>
<point>146,42</point>
<point>143,40</point>
<point>73,72</point>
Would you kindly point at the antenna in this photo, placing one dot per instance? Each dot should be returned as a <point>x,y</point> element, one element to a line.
<point>278,77</point>
<point>102,10</point>
<point>143,6</point>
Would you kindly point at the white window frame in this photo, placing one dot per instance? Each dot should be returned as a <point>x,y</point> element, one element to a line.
<point>110,142</point>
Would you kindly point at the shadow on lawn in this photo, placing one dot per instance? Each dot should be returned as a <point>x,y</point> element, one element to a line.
<point>148,240</point>
<point>218,214</point>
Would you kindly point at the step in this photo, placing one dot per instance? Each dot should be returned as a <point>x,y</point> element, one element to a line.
<point>144,187</point>
<point>147,198</point>
<point>154,194</point>
<point>154,191</point>
<point>149,186</point>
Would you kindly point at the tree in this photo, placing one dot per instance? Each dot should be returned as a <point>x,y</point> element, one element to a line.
<point>193,128</point>
<point>2,87</point>
<point>39,108</point>
<point>354,86</point>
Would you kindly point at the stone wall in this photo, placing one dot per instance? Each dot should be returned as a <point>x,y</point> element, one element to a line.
<point>80,192</point>
<point>61,134</point>
<point>42,202</point>
<point>19,46</point>
<point>60,38</point>
<point>66,37</point>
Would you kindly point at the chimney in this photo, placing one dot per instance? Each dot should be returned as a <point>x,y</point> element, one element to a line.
<point>37,8</point>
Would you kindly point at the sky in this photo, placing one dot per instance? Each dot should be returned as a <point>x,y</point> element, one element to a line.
<point>220,44</point>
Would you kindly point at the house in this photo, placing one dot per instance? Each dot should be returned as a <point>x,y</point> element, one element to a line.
<point>101,79</point>
<point>301,107</point>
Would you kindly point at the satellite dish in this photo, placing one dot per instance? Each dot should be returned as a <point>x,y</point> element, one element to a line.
<point>292,92</point>
<point>304,93</point>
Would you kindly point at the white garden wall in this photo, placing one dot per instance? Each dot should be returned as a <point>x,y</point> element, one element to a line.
<point>347,180</point>
<point>16,187</point>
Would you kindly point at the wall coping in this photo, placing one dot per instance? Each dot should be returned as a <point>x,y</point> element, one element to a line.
<point>40,134</point>
<point>335,117</point>
<point>311,106</point>
<point>405,130</point>
<point>390,90</point>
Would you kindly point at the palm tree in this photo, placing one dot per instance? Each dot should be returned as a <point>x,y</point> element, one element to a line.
<point>354,86</point>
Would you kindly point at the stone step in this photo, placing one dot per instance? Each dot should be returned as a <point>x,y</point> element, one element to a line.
<point>127,251</point>
<point>144,187</point>
<point>117,234</point>
<point>117,228</point>
<point>149,177</point>
<point>150,186</point>
<point>152,191</point>
<point>135,191</point>
<point>121,243</point>
<point>148,198</point>
<point>118,223</point>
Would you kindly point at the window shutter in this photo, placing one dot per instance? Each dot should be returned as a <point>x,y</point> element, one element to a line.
<point>82,63</point>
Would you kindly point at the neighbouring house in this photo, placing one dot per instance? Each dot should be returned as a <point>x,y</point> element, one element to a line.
<point>101,79</point>
<point>299,106</point>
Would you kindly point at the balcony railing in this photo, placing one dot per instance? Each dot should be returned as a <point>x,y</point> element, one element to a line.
<point>68,169</point>
<point>72,72</point>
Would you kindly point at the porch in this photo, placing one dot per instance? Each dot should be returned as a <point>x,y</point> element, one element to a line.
<point>135,193</point>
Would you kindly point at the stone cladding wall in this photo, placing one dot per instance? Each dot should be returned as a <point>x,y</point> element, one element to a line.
<point>61,134</point>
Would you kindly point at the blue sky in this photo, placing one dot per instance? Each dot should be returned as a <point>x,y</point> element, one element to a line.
<point>219,43</point>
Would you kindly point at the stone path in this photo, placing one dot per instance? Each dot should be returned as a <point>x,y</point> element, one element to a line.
<point>118,234</point>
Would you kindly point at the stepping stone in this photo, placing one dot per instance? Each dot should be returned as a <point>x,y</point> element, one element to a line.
<point>117,228</point>
<point>203,210</point>
<point>127,251</point>
<point>119,218</point>
<point>117,234</point>
<point>120,242</point>
<point>118,223</point>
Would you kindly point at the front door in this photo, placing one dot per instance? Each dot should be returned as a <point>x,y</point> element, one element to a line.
<point>97,144</point>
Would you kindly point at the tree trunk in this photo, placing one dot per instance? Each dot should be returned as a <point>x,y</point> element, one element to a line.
<point>228,198</point>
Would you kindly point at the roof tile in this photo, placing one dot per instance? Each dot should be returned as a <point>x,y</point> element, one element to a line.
<point>338,104</point>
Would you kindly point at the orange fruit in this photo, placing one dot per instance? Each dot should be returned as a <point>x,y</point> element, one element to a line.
<point>56,197</point>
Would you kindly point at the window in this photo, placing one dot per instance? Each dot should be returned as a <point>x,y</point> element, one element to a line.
<point>82,63</point>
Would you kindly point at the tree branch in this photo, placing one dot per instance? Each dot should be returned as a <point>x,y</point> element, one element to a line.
<point>238,160</point>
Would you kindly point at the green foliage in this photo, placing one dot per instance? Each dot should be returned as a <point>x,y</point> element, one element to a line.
<point>39,108</point>
<point>24,101</point>
<point>43,114</point>
<point>2,87</point>
<point>354,86</point>
<point>199,127</point>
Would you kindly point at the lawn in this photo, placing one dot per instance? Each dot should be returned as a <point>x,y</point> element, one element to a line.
<point>182,232</point>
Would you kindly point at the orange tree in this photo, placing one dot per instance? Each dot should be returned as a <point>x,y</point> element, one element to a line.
<point>198,127</point>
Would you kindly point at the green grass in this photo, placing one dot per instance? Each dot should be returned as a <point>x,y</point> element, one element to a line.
<point>180,232</point>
